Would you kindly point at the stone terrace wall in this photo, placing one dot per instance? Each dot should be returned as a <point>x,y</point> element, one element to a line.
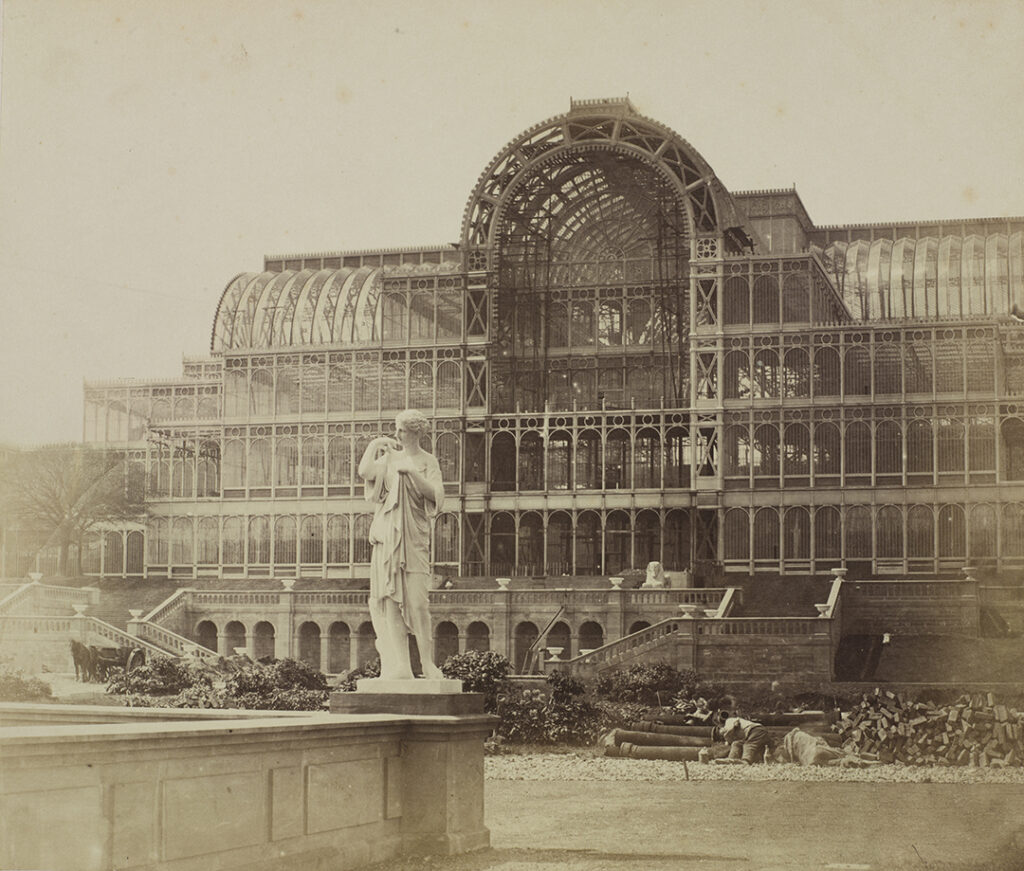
<point>910,607</point>
<point>318,792</point>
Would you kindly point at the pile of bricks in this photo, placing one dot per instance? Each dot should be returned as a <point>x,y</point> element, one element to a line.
<point>973,730</point>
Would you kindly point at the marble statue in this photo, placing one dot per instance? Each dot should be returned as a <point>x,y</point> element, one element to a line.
<point>404,484</point>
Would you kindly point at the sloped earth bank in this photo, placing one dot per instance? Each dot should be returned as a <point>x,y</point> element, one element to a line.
<point>638,815</point>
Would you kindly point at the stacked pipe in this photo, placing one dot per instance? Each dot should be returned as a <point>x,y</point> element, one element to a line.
<point>974,730</point>
<point>656,739</point>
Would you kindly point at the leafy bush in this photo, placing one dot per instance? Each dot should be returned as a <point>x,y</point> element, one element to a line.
<point>561,716</point>
<point>656,684</point>
<point>161,676</point>
<point>15,687</point>
<point>347,683</point>
<point>281,685</point>
<point>480,672</point>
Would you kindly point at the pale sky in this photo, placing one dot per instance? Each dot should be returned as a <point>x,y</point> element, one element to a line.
<point>150,151</point>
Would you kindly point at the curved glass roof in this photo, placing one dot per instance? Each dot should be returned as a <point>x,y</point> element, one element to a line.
<point>944,277</point>
<point>307,307</point>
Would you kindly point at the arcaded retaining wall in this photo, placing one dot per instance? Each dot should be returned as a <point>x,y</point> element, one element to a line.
<point>269,793</point>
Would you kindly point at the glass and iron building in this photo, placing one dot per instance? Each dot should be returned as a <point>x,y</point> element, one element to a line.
<point>624,361</point>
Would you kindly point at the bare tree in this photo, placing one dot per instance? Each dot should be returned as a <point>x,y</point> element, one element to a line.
<point>58,494</point>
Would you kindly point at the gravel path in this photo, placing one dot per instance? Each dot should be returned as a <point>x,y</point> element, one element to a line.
<point>585,767</point>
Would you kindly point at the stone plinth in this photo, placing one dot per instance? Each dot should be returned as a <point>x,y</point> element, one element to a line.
<point>421,696</point>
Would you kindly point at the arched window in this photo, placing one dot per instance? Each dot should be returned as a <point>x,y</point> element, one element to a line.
<point>525,637</point>
<point>797,533</point>
<point>676,540</point>
<point>677,467</point>
<point>287,464</point>
<point>950,440</point>
<point>503,544</point>
<point>182,477</point>
<point>208,541</point>
<point>558,559</point>
<point>889,532</point>
<point>309,644</point>
<point>766,451</point>
<point>559,460</point>
<point>796,298</point>
<point>449,385</point>
<point>766,534</point>
<point>337,539</point>
<point>259,463</point>
<point>887,368</point>
<point>361,538</point>
<point>981,444</point>
<point>393,386</point>
<point>208,469</point>
<point>888,448</point>
<point>421,318</point>
<point>639,323</point>
<point>558,325</point>
<point>647,539</point>
<point>1012,449</point>
<point>737,451</point>
<point>617,461</point>
<point>983,532</point>
<point>261,393</point>
<point>287,391</point>
<point>503,461</point>
<point>764,381</point>
<point>259,540</point>
<point>339,387</point>
<point>421,386</point>
<point>647,460</point>
<point>582,324</point>
<point>339,647</point>
<point>949,366</point>
<point>113,553</point>
<point>531,544</point>
<point>447,452</point>
<point>1012,538</point>
<point>920,447</point>
<point>917,367</point>
<point>446,538</point>
<point>206,634</point>
<point>312,462</point>
<point>311,541</point>
<point>766,300</point>
<point>591,635</point>
<point>314,388</point>
<point>952,532</point>
<point>588,543</point>
<point>236,388</point>
<point>826,372</point>
<point>617,549</point>
<point>827,533</point>
<point>446,641</point>
<point>609,322</point>
<point>234,464</point>
<point>135,547</point>
<point>233,541</point>
<point>156,540</point>
<point>858,449</point>
<point>531,462</point>
<point>395,326</point>
<point>181,542</point>
<point>827,449</point>
<point>588,460</point>
<point>857,374</point>
<point>796,373</point>
<point>737,375</point>
<point>796,450</point>
<point>737,300</point>
<point>920,532</point>
<point>159,477</point>
<point>858,532</point>
<point>339,461</point>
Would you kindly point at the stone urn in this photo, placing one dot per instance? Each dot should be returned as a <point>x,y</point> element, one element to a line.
<point>822,608</point>
<point>79,609</point>
<point>35,577</point>
<point>288,583</point>
<point>616,583</point>
<point>503,583</point>
<point>839,574</point>
<point>555,653</point>
<point>690,612</point>
<point>136,613</point>
<point>710,612</point>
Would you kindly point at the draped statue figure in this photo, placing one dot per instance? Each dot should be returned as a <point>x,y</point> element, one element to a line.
<point>404,484</point>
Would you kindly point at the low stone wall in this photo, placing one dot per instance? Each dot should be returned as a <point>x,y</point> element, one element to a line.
<point>910,608</point>
<point>261,793</point>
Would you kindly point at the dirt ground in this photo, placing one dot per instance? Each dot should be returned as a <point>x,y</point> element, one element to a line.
<point>728,826</point>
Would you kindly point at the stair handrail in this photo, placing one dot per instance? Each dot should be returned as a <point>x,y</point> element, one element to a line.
<point>15,596</point>
<point>631,641</point>
<point>171,643</point>
<point>167,606</point>
<point>111,632</point>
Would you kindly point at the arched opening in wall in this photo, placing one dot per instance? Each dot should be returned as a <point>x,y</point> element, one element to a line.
<point>638,626</point>
<point>796,373</point>
<point>531,462</point>
<point>559,461</point>
<point>446,642</point>
<point>503,462</point>
<point>764,381</point>
<point>647,460</point>
<point>206,634</point>
<point>857,372</point>
<point>312,540</point>
<point>503,544</point>
<point>591,636</point>
<point>558,560</point>
<point>136,548</point>
<point>826,372</point>
<point>309,644</point>
<point>588,543</point>
<point>263,641</point>
<point>765,454</point>
<point>339,647</point>
<point>647,546</point>
<point>797,533</point>
<point>113,556</point>
<point>677,458</point>
<point>366,644</point>
<point>889,533</point>
<point>796,454</point>
<point>1012,453</point>
<point>737,534</point>
<point>531,544</point>
<point>560,636</point>
<point>766,535</point>
<point>284,542</point>
<point>478,637</point>
<point>588,460</point>
<point>921,537</point>
<point>234,636</point>
<point>617,550</point>
<point>524,637</point>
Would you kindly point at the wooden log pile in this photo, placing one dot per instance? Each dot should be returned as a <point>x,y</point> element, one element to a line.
<point>974,730</point>
<point>655,739</point>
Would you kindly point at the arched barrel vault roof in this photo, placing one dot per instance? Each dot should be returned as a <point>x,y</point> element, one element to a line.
<point>601,126</point>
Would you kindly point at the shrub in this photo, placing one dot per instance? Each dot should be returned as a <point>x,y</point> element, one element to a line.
<point>657,684</point>
<point>480,672</point>
<point>562,716</point>
<point>162,675</point>
<point>15,687</point>
<point>347,683</point>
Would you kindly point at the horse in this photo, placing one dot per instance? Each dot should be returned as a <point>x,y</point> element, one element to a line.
<point>82,657</point>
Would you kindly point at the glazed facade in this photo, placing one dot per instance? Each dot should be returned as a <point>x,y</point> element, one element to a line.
<point>624,362</point>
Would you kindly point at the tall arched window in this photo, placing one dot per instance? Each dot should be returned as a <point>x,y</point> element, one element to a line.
<point>559,461</point>
<point>582,324</point>
<point>796,373</point>
<point>858,532</point>
<point>531,462</point>
<point>421,317</point>
<point>503,461</point>
<point>588,461</point>
<point>920,447</point>
<point>796,450</point>
<point>234,464</point>
<point>339,461</point>
<point>531,544</point>
<point>233,541</point>
<point>888,448</point>
<point>920,532</point>
<point>827,533</point>
<point>764,380</point>
<point>113,553</point>
<point>796,298</point>
<point>287,465</point>
<point>983,533</point>
<point>950,440</point>
<point>766,534</point>
<point>208,541</point>
<point>765,453</point>
<point>797,533</point>
<point>1012,537</point>
<point>208,469</point>
<point>421,386</point>
<point>259,540</point>
<point>558,557</point>
<point>259,463</point>
<point>446,538</point>
<point>766,300</point>
<point>736,300</point>
<point>287,391</point>
<point>181,542</point>
<point>889,532</point>
<point>857,373</point>
<point>952,532</point>
<point>156,541</point>
<point>337,539</point>
<point>558,325</point>
<point>826,372</point>
<point>261,393</point>
<point>676,540</point>
<point>858,449</point>
<point>312,462</point>
<point>449,385</point>
<point>361,538</point>
<point>503,543</point>
<point>646,539</point>
<point>588,543</point>
<point>617,461</point>
<point>311,540</point>
<point>447,452</point>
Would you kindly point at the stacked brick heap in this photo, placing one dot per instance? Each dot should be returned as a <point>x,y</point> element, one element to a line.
<point>973,730</point>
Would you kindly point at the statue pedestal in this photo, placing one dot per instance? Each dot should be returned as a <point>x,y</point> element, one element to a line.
<point>419,696</point>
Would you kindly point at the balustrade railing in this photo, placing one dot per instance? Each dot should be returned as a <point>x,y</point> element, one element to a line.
<point>48,594</point>
<point>645,637</point>
<point>334,597</point>
<point>15,597</point>
<point>906,589</point>
<point>165,641</point>
<point>169,607</point>
<point>221,598</point>
<point>760,626</point>
<point>24,624</point>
